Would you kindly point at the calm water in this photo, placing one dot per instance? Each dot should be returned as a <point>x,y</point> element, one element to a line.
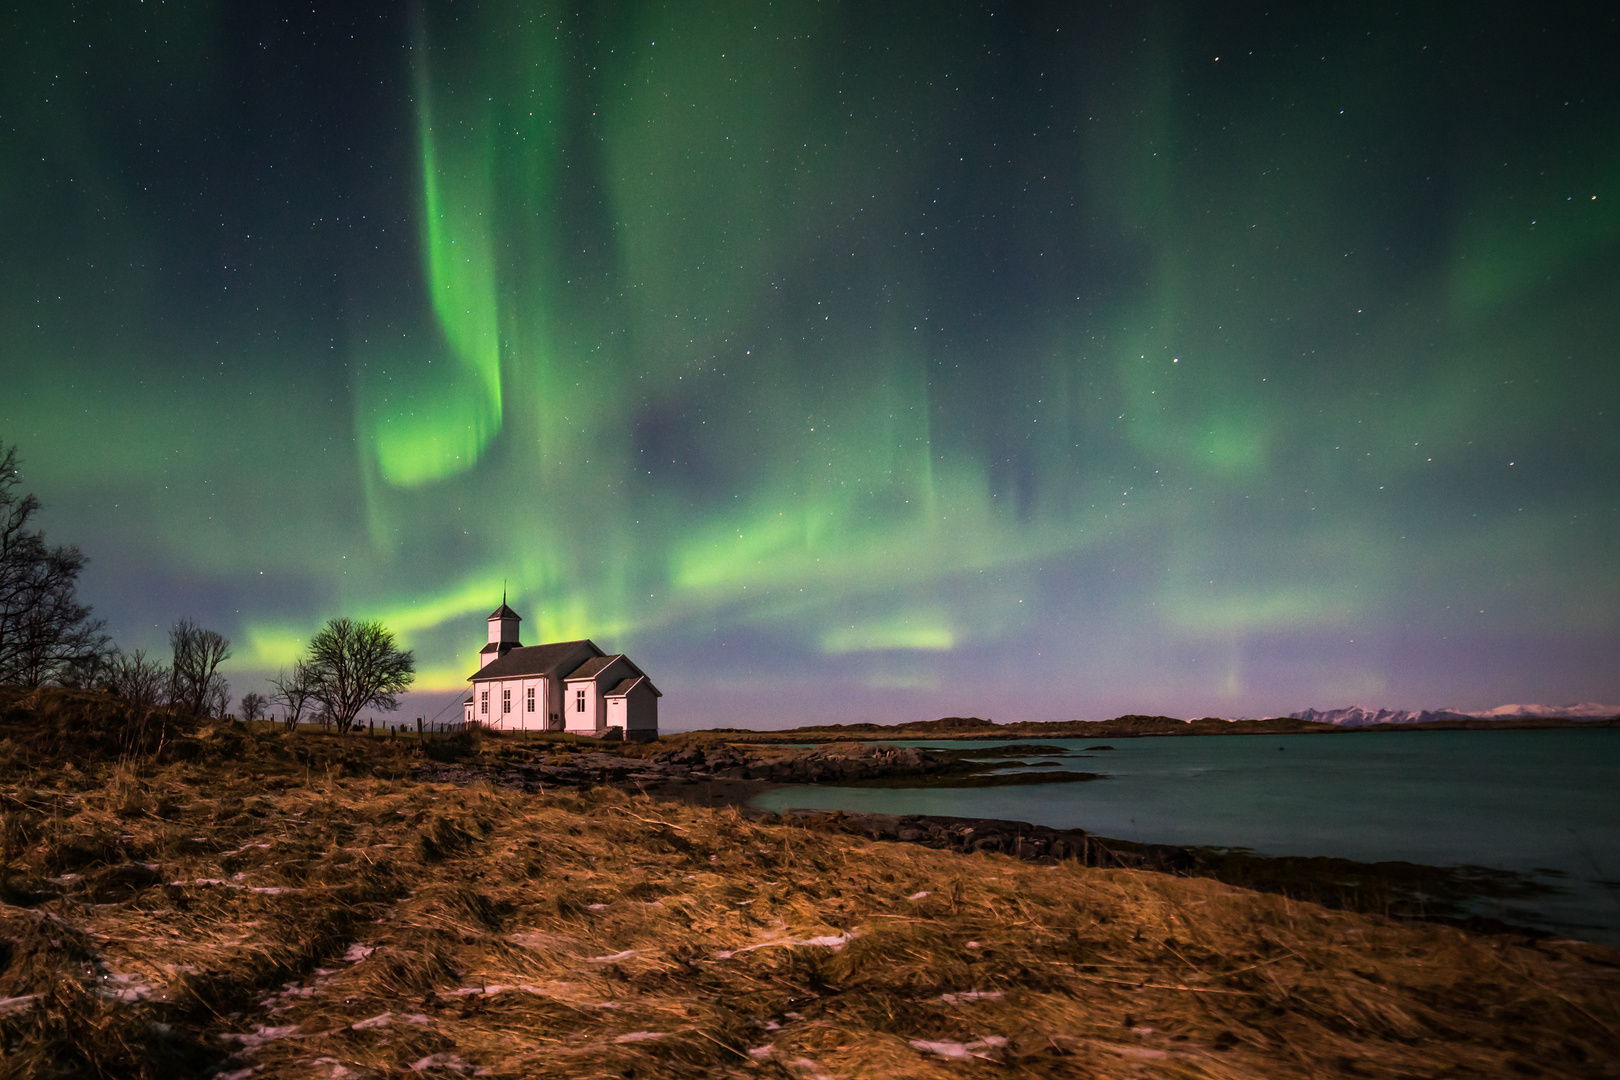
<point>1543,803</point>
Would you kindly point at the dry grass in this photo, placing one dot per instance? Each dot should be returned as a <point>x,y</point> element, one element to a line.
<point>300,908</point>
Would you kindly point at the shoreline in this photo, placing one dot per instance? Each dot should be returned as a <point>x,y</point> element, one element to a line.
<point>972,729</point>
<point>1397,889</point>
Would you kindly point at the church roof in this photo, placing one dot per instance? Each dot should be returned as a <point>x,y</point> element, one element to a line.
<point>593,667</point>
<point>624,686</point>
<point>553,660</point>
<point>504,612</point>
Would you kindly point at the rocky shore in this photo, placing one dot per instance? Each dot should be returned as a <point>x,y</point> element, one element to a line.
<point>843,763</point>
<point>730,776</point>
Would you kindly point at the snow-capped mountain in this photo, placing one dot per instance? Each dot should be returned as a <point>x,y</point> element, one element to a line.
<point>1585,710</point>
<point>1359,716</point>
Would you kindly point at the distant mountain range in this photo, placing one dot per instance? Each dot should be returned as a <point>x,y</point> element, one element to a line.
<point>1358,716</point>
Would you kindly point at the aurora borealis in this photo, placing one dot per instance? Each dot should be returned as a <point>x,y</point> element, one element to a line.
<point>837,361</point>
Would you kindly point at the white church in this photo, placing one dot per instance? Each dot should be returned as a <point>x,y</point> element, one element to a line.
<point>570,686</point>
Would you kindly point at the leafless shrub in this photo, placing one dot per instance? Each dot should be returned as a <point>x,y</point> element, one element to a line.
<point>293,693</point>
<point>142,682</point>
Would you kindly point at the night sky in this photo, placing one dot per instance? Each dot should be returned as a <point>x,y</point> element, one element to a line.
<point>837,361</point>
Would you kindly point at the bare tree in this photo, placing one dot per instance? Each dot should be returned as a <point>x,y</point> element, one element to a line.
<point>46,635</point>
<point>217,700</point>
<point>141,682</point>
<point>197,688</point>
<point>251,707</point>
<point>294,694</point>
<point>357,665</point>
<point>92,669</point>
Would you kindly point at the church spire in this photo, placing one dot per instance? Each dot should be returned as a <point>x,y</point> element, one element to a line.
<point>503,627</point>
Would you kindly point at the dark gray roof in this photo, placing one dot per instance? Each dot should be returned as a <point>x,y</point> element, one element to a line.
<point>594,666</point>
<point>551,660</point>
<point>623,686</point>
<point>504,612</point>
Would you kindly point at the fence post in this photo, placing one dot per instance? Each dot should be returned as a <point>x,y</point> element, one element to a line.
<point>420,735</point>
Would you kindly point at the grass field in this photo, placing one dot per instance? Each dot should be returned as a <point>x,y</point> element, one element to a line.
<point>252,904</point>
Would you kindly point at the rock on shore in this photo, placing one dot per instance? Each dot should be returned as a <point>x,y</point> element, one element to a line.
<point>833,763</point>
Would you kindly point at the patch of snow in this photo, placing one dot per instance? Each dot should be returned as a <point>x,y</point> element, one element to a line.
<point>267,890</point>
<point>261,1035</point>
<point>497,988</point>
<point>956,1051</point>
<point>639,1036</point>
<point>919,895</point>
<point>830,941</point>
<point>615,958</point>
<point>825,941</point>
<point>971,995</point>
<point>127,990</point>
<point>453,1062</point>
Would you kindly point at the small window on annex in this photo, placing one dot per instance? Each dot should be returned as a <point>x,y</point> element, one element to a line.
<point>579,701</point>
<point>531,699</point>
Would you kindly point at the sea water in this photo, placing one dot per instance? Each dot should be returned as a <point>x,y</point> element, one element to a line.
<point>1544,804</point>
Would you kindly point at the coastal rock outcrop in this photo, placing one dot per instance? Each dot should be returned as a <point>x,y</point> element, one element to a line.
<point>1034,843</point>
<point>834,762</point>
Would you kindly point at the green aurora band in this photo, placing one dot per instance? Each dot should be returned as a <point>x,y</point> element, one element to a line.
<point>837,363</point>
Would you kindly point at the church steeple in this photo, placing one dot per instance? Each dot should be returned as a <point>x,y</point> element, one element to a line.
<point>503,632</point>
